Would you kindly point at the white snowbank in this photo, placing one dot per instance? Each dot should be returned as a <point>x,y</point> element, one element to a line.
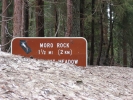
<point>31,79</point>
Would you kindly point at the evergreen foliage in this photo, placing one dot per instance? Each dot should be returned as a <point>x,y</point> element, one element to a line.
<point>55,22</point>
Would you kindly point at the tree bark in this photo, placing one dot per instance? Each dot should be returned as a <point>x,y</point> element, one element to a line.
<point>56,17</point>
<point>124,52</point>
<point>17,19</point>
<point>92,34</point>
<point>110,45</point>
<point>124,42</point>
<point>69,18</point>
<point>76,18</point>
<point>131,61</point>
<point>101,41</point>
<point>82,4</point>
<point>39,18</point>
<point>73,17</point>
<point>26,18</point>
<point>111,34</point>
<point>4,39</point>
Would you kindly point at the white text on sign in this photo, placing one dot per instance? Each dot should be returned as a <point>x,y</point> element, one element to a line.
<point>51,45</point>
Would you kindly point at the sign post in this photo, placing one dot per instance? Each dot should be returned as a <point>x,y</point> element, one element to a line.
<point>71,50</point>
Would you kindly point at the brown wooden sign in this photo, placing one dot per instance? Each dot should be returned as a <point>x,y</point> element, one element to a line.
<point>65,50</point>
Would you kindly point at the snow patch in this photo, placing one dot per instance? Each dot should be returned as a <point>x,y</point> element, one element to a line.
<point>31,79</point>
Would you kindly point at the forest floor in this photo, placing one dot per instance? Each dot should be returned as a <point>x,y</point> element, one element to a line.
<point>31,79</point>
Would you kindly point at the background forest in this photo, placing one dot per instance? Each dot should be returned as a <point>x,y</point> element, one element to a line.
<point>106,25</point>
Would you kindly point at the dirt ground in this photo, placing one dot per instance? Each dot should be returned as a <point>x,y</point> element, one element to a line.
<point>30,79</point>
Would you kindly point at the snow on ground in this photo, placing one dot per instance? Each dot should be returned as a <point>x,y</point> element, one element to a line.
<point>31,79</point>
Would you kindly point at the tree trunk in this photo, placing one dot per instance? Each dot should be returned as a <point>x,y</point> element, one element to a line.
<point>76,18</point>
<point>124,42</point>
<point>39,18</point>
<point>104,39</point>
<point>69,18</point>
<point>56,18</point>
<point>119,55</point>
<point>92,34</point>
<point>17,19</point>
<point>82,4</point>
<point>110,45</point>
<point>23,19</point>
<point>26,18</point>
<point>4,39</point>
<point>73,17</point>
<point>124,52</point>
<point>131,61</point>
<point>101,41</point>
